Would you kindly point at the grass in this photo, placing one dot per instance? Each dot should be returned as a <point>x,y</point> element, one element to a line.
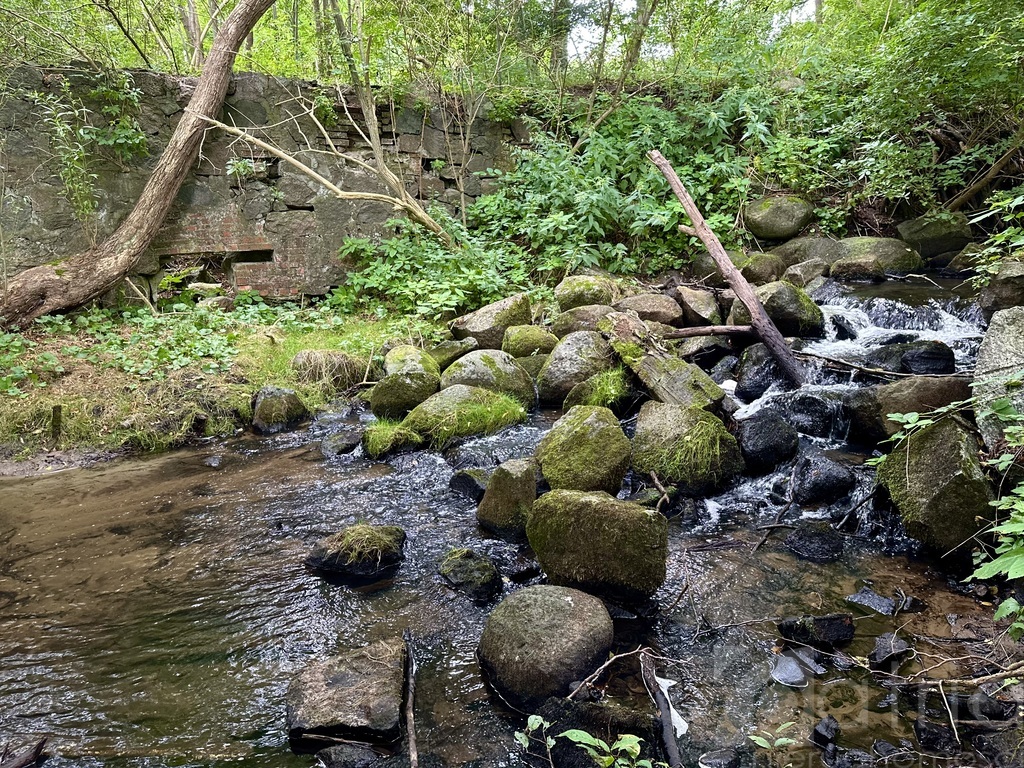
<point>363,543</point>
<point>496,411</point>
<point>604,389</point>
<point>384,436</point>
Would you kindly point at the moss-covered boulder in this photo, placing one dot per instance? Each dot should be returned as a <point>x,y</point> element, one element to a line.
<point>938,486</point>
<point>863,266</point>
<point>654,307</point>
<point>577,357</point>
<point>494,370</point>
<point>398,393</point>
<point>789,307</point>
<point>586,450</point>
<point>699,307</point>
<point>1005,289</point>
<point>447,352</point>
<point>583,318</point>
<point>704,268</point>
<point>406,358</point>
<point>542,638</point>
<point>329,367</point>
<point>461,411</point>
<point>803,273</point>
<point>487,325</point>
<point>997,372</point>
<point>527,340</point>
<point>881,255</point>
<point>508,499</point>
<point>869,407</point>
<point>763,268</point>
<point>686,446</point>
<point>471,573</point>
<point>275,409</point>
<point>936,232</point>
<point>580,290</point>
<point>532,364</point>
<point>802,249</point>
<point>597,543</point>
<point>777,218</point>
<point>360,552</point>
<point>386,436</point>
<point>606,389</point>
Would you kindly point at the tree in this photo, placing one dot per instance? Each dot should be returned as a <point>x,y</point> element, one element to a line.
<point>71,282</point>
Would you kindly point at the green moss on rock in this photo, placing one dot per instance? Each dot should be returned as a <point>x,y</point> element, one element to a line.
<point>579,290</point>
<point>462,411</point>
<point>386,436</point>
<point>398,393</point>
<point>409,359</point>
<point>789,307</point>
<point>604,389</point>
<point>585,450</point>
<point>510,494</point>
<point>527,340</point>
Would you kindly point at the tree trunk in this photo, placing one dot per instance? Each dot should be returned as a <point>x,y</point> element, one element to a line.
<point>71,282</point>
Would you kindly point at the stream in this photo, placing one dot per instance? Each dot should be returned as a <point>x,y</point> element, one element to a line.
<point>153,610</point>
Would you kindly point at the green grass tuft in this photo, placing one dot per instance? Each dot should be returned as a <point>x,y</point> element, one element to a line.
<point>384,436</point>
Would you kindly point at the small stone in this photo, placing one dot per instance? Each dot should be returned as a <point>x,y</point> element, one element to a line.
<point>868,598</point>
<point>766,441</point>
<point>889,652</point>
<point>506,504</point>
<point>820,480</point>
<point>471,573</point>
<point>936,738</point>
<point>447,352</point>
<point>825,732</point>
<point>360,552</point>
<point>527,340</point>
<point>276,409</point>
<point>825,632</point>
<point>472,482</point>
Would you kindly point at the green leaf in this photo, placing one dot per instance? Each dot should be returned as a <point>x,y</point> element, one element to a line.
<point>1008,607</point>
<point>762,743</point>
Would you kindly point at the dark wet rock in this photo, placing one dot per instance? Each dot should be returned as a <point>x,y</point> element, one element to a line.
<point>757,372</point>
<point>825,632</point>
<point>699,307</point>
<point>540,639</point>
<point>397,394</point>
<point>494,370</point>
<point>889,652</point>
<point>916,357</point>
<point>777,218</point>
<point>816,544</point>
<point>654,307</point>
<point>884,749</point>
<point>487,325</point>
<point>595,542</point>
<point>583,318</point>
<point>724,369</point>
<point>605,719</point>
<point>934,737</point>
<point>719,758</point>
<point>789,307</point>
<point>581,290</point>
<point>1002,747</point>
<point>341,442</point>
<point>936,232</point>
<point>471,482</point>
<point>937,484</point>
<point>825,732</point>
<point>687,446</point>
<point>842,328</point>
<point>471,573</point>
<point>981,706</point>
<point>509,497</point>
<point>703,350</point>
<point>276,409</point>
<point>821,480</point>
<point>514,564</point>
<point>763,268</point>
<point>766,441</point>
<point>801,250</point>
<point>447,352</point>
<point>328,366</point>
<point>577,357</point>
<point>360,552</point>
<point>586,450</point>
<point>401,759</point>
<point>803,273</point>
<point>527,340</point>
<point>346,756</point>
<point>1004,290</point>
<point>869,407</point>
<point>818,413</point>
<point>868,598</point>
<point>354,695</point>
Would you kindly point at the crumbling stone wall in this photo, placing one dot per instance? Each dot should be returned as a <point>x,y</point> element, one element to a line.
<point>274,230</point>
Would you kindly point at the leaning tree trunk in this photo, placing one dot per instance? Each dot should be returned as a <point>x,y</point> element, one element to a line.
<point>71,282</point>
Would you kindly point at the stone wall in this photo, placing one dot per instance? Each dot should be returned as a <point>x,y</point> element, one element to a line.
<point>274,231</point>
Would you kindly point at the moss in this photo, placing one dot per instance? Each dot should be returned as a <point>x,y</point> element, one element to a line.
<point>365,543</point>
<point>406,358</point>
<point>483,412</point>
<point>526,340</point>
<point>604,389</point>
<point>385,436</point>
<point>585,450</point>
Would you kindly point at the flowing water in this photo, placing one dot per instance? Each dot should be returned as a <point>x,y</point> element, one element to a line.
<point>153,611</point>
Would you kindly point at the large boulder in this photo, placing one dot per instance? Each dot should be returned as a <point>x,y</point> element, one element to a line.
<point>580,290</point>
<point>917,357</point>
<point>869,407</point>
<point>936,482</point>
<point>704,268</point>
<point>766,440</point>
<point>577,357</point>
<point>874,257</point>
<point>758,371</point>
<point>461,411</point>
<point>527,340</point>
<point>652,306</point>
<point>398,393</point>
<point>763,268</point>
<point>699,307</point>
<point>1005,289</point>
<point>447,352</point>
<point>597,543</point>
<point>508,499</point>
<point>688,446</point>
<point>997,372</point>
<point>487,325</point>
<point>803,249</point>
<point>586,450</point>
<point>777,218</point>
<point>789,307</point>
<point>275,409</point>
<point>360,552</point>
<point>406,358</point>
<point>818,479</point>
<point>583,318</point>
<point>355,695</point>
<point>936,232</point>
<point>540,639</point>
<point>494,370</point>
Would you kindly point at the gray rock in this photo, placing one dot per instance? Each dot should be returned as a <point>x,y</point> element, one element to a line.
<point>586,450</point>
<point>471,573</point>
<point>996,373</point>
<point>510,494</point>
<point>583,318</point>
<point>869,407</point>
<point>936,232</point>
<point>825,632</point>
<point>874,257</point>
<point>868,598</point>
<point>889,652</point>
<point>540,639</point>
<point>276,409</point>
<point>471,482</point>
<point>347,756</point>
<point>704,268</point>
<point>528,340</point>
<point>532,364</point>
<point>803,273</point>
<point>655,307</point>
<point>355,695</point>
<point>447,352</point>
<point>577,357</point>
<point>917,357</point>
<point>1004,290</point>
<point>803,249</point>
<point>816,543</point>
<point>397,394</point>
<point>341,442</point>
<point>789,307</point>
<point>820,480</point>
<point>581,290</point>
<point>777,218</point>
<point>763,268</point>
<point>597,543</point>
<point>409,359</point>
<point>699,307</point>
<point>487,325</point>
<point>494,370</point>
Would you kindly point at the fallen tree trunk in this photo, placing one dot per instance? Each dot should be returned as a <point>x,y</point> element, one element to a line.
<point>71,282</point>
<point>759,319</point>
<point>710,330</point>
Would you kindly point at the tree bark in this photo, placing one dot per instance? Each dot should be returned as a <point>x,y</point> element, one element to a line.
<point>759,319</point>
<point>71,282</point>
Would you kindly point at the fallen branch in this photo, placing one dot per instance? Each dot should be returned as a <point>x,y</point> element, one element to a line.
<point>668,736</point>
<point>410,700</point>
<point>29,757</point>
<point>711,330</point>
<point>874,371</point>
<point>759,319</point>
<point>600,670</point>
